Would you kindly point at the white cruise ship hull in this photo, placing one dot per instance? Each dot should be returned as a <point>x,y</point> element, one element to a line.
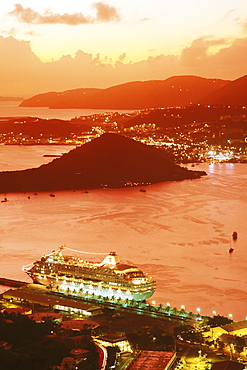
<point>82,288</point>
<point>70,274</point>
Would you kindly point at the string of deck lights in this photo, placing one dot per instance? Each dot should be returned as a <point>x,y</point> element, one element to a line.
<point>73,250</point>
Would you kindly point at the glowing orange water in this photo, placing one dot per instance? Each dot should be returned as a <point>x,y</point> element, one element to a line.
<point>178,232</point>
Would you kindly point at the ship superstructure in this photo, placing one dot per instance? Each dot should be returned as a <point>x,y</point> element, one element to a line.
<point>71,274</point>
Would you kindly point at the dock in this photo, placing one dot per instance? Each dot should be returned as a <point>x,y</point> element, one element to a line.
<point>12,283</point>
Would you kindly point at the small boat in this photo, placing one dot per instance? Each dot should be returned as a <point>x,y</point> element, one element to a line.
<point>4,200</point>
<point>234,235</point>
<point>142,190</point>
<point>231,250</point>
<point>52,195</point>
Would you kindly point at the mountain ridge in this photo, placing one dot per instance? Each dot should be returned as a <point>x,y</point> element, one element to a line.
<point>233,94</point>
<point>173,91</point>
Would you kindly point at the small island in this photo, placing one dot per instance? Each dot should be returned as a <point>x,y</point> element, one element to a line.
<point>110,160</point>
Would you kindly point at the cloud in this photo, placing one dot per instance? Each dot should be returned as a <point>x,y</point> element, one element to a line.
<point>27,15</point>
<point>146,19</point>
<point>244,25</point>
<point>12,31</point>
<point>122,57</point>
<point>32,33</point>
<point>23,73</point>
<point>229,62</point>
<point>105,13</point>
<point>233,56</point>
<point>227,15</point>
<point>197,54</point>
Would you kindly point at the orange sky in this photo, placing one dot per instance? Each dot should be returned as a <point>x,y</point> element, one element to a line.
<point>62,45</point>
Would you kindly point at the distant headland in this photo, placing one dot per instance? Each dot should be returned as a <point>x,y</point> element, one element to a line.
<point>110,160</point>
<point>174,91</point>
<point>10,98</point>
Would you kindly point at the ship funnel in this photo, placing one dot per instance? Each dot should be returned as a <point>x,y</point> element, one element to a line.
<point>111,259</point>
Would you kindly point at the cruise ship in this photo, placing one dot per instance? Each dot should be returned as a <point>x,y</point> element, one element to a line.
<point>68,273</point>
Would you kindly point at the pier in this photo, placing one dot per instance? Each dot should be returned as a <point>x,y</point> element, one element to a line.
<point>12,283</point>
<point>38,294</point>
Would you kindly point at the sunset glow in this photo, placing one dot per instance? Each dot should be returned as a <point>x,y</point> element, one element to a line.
<point>114,42</point>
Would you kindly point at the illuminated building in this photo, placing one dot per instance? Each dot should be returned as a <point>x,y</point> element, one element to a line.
<point>238,328</point>
<point>35,295</point>
<point>114,340</point>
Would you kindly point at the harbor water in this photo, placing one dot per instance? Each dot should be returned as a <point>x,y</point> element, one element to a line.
<point>178,232</point>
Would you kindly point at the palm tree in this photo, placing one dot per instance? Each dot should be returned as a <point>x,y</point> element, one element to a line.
<point>132,302</point>
<point>175,311</point>
<point>160,308</point>
<point>167,309</point>
<point>239,344</point>
<point>119,299</point>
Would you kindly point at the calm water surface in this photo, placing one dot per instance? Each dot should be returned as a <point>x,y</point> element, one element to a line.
<point>12,109</point>
<point>178,232</point>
